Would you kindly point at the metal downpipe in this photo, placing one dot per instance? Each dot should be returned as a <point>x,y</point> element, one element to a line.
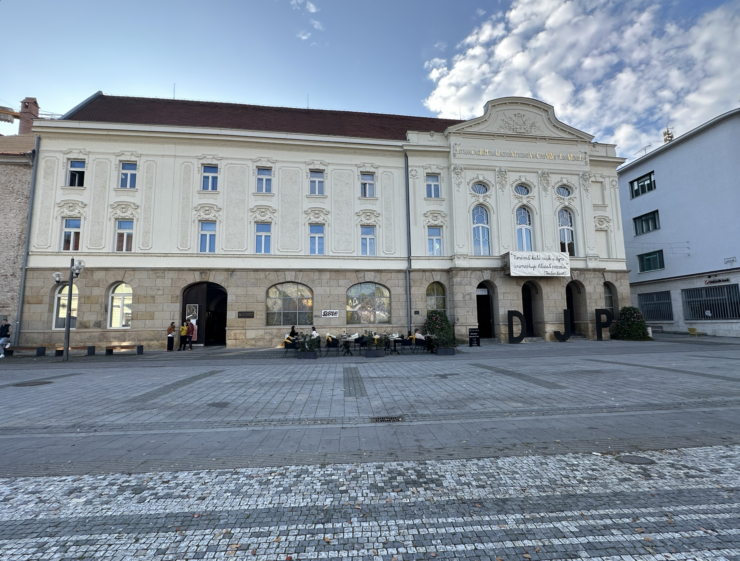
<point>408,247</point>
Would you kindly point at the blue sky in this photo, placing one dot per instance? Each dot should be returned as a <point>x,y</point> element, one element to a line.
<point>618,69</point>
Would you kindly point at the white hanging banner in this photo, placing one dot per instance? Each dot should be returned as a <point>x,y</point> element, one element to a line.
<point>536,264</point>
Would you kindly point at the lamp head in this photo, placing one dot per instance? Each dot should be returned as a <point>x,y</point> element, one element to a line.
<point>78,267</point>
<point>57,277</point>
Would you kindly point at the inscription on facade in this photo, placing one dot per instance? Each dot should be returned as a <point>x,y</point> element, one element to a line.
<point>491,153</point>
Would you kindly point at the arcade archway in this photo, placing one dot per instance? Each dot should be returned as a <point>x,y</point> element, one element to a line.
<point>206,302</point>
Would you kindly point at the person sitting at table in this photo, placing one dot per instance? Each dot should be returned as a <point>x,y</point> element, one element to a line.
<point>314,333</point>
<point>417,335</point>
<point>288,340</point>
<point>293,332</point>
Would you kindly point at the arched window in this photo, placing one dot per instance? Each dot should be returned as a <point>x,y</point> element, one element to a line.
<point>562,191</point>
<point>523,229</point>
<point>567,234</point>
<point>368,303</point>
<point>289,303</point>
<point>436,297</point>
<point>479,189</point>
<point>521,190</point>
<point>120,306</point>
<point>481,229</point>
<point>60,307</point>
<point>608,299</point>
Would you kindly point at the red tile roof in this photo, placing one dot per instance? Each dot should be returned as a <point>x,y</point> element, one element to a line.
<point>177,112</point>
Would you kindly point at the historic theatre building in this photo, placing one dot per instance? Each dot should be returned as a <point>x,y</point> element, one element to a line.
<point>252,219</point>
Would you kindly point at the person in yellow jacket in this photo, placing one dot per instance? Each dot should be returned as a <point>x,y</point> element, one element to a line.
<point>183,336</point>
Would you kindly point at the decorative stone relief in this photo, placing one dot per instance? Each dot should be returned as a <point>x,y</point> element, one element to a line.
<point>366,168</point>
<point>586,182</point>
<point>124,210</point>
<point>368,218</point>
<point>207,160</point>
<point>235,208</point>
<point>592,260</point>
<point>46,203</point>
<point>263,163</point>
<point>186,202</point>
<point>76,153</point>
<point>342,203</point>
<point>566,201</point>
<point>289,192</point>
<point>126,156</point>
<point>414,173</point>
<point>501,179</point>
<point>434,169</point>
<point>602,222</point>
<point>315,165</point>
<point>522,199</point>
<point>518,123</point>
<point>457,176</point>
<point>262,213</point>
<point>71,209</point>
<point>387,194</point>
<point>147,215</point>
<point>435,218</point>
<point>316,215</point>
<point>614,183</point>
<point>207,211</point>
<point>544,181</point>
<point>100,190</point>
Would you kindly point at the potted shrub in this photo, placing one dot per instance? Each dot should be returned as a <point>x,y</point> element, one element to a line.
<point>443,335</point>
<point>631,325</point>
<point>375,344</point>
<point>445,342</point>
<point>308,347</point>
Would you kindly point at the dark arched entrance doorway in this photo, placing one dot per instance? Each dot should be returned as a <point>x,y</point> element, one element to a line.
<point>484,302</point>
<point>527,310</point>
<point>571,308</point>
<point>206,302</point>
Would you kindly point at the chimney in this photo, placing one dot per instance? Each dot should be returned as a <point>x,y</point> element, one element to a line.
<point>29,112</point>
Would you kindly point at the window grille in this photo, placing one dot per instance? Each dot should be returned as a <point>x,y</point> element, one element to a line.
<point>711,302</point>
<point>656,306</point>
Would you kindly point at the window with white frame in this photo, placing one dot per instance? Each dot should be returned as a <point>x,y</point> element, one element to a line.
<point>76,176</point>
<point>316,183</point>
<point>121,298</point>
<point>481,230</point>
<point>432,186</point>
<point>60,307</point>
<point>264,180</point>
<point>523,229</point>
<point>316,239</point>
<point>210,178</point>
<point>434,241</point>
<point>367,240</point>
<point>567,233</point>
<point>262,239</point>
<point>367,185</point>
<point>642,185</point>
<point>479,189</point>
<point>128,175</point>
<point>124,235</point>
<point>71,234</point>
<point>522,190</point>
<point>208,237</point>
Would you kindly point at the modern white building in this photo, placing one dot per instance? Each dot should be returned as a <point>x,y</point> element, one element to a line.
<point>253,219</point>
<point>680,211</point>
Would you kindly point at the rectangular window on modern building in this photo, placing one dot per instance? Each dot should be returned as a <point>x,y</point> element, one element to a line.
<point>262,239</point>
<point>646,223</point>
<point>125,235</point>
<point>71,234</point>
<point>208,237</point>
<point>367,240</point>
<point>367,185</point>
<point>434,241</point>
<point>652,261</point>
<point>76,173</point>
<point>128,175</point>
<point>642,185</point>
<point>656,306</point>
<point>432,186</point>
<point>210,178</point>
<point>316,239</point>
<point>711,302</point>
<point>316,183</point>
<point>264,180</point>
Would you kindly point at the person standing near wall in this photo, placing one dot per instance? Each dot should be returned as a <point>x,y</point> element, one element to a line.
<point>4,337</point>
<point>183,336</point>
<point>171,336</point>
<point>190,331</point>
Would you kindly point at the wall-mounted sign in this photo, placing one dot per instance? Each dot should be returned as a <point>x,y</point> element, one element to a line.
<point>329,313</point>
<point>715,281</point>
<point>536,264</point>
<point>241,315</point>
<point>481,292</point>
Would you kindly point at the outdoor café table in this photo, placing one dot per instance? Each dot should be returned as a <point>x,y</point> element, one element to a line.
<point>395,342</point>
<point>345,344</point>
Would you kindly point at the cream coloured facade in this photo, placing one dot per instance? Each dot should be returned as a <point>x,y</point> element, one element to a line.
<point>473,174</point>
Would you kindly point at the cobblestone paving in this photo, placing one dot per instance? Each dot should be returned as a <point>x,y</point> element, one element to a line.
<point>684,506</point>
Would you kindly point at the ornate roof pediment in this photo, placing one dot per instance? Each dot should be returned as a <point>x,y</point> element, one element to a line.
<point>520,116</point>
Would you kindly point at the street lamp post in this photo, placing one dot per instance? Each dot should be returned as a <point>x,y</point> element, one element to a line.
<point>74,271</point>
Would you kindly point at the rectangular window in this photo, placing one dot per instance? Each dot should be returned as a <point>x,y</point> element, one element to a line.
<point>646,223</point>
<point>208,237</point>
<point>367,185</point>
<point>263,238</point>
<point>434,240</point>
<point>76,173</point>
<point>128,175</point>
<point>367,240</point>
<point>652,261</point>
<point>264,180</point>
<point>316,183</point>
<point>125,235</point>
<point>432,186</point>
<point>316,239</point>
<point>656,306</point>
<point>711,302</point>
<point>71,234</point>
<point>642,185</point>
<point>210,178</point>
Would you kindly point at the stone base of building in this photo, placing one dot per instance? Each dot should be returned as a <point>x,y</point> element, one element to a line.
<point>233,304</point>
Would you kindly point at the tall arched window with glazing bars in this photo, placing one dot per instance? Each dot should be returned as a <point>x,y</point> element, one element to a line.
<point>481,232</point>
<point>523,229</point>
<point>566,232</point>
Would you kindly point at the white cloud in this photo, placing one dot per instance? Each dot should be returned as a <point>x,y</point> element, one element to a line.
<point>296,4</point>
<point>303,35</point>
<point>311,7</point>
<point>480,12</point>
<point>612,69</point>
<point>317,24</point>
<point>441,45</point>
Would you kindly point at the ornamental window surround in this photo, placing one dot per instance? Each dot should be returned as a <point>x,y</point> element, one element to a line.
<point>522,190</point>
<point>479,189</point>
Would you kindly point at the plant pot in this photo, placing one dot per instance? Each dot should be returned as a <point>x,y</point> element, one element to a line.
<point>308,354</point>
<point>374,353</point>
<point>444,351</point>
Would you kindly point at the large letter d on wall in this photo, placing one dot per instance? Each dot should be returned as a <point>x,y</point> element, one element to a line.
<point>514,314</point>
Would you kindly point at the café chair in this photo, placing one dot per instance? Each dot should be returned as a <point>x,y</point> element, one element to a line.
<point>332,344</point>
